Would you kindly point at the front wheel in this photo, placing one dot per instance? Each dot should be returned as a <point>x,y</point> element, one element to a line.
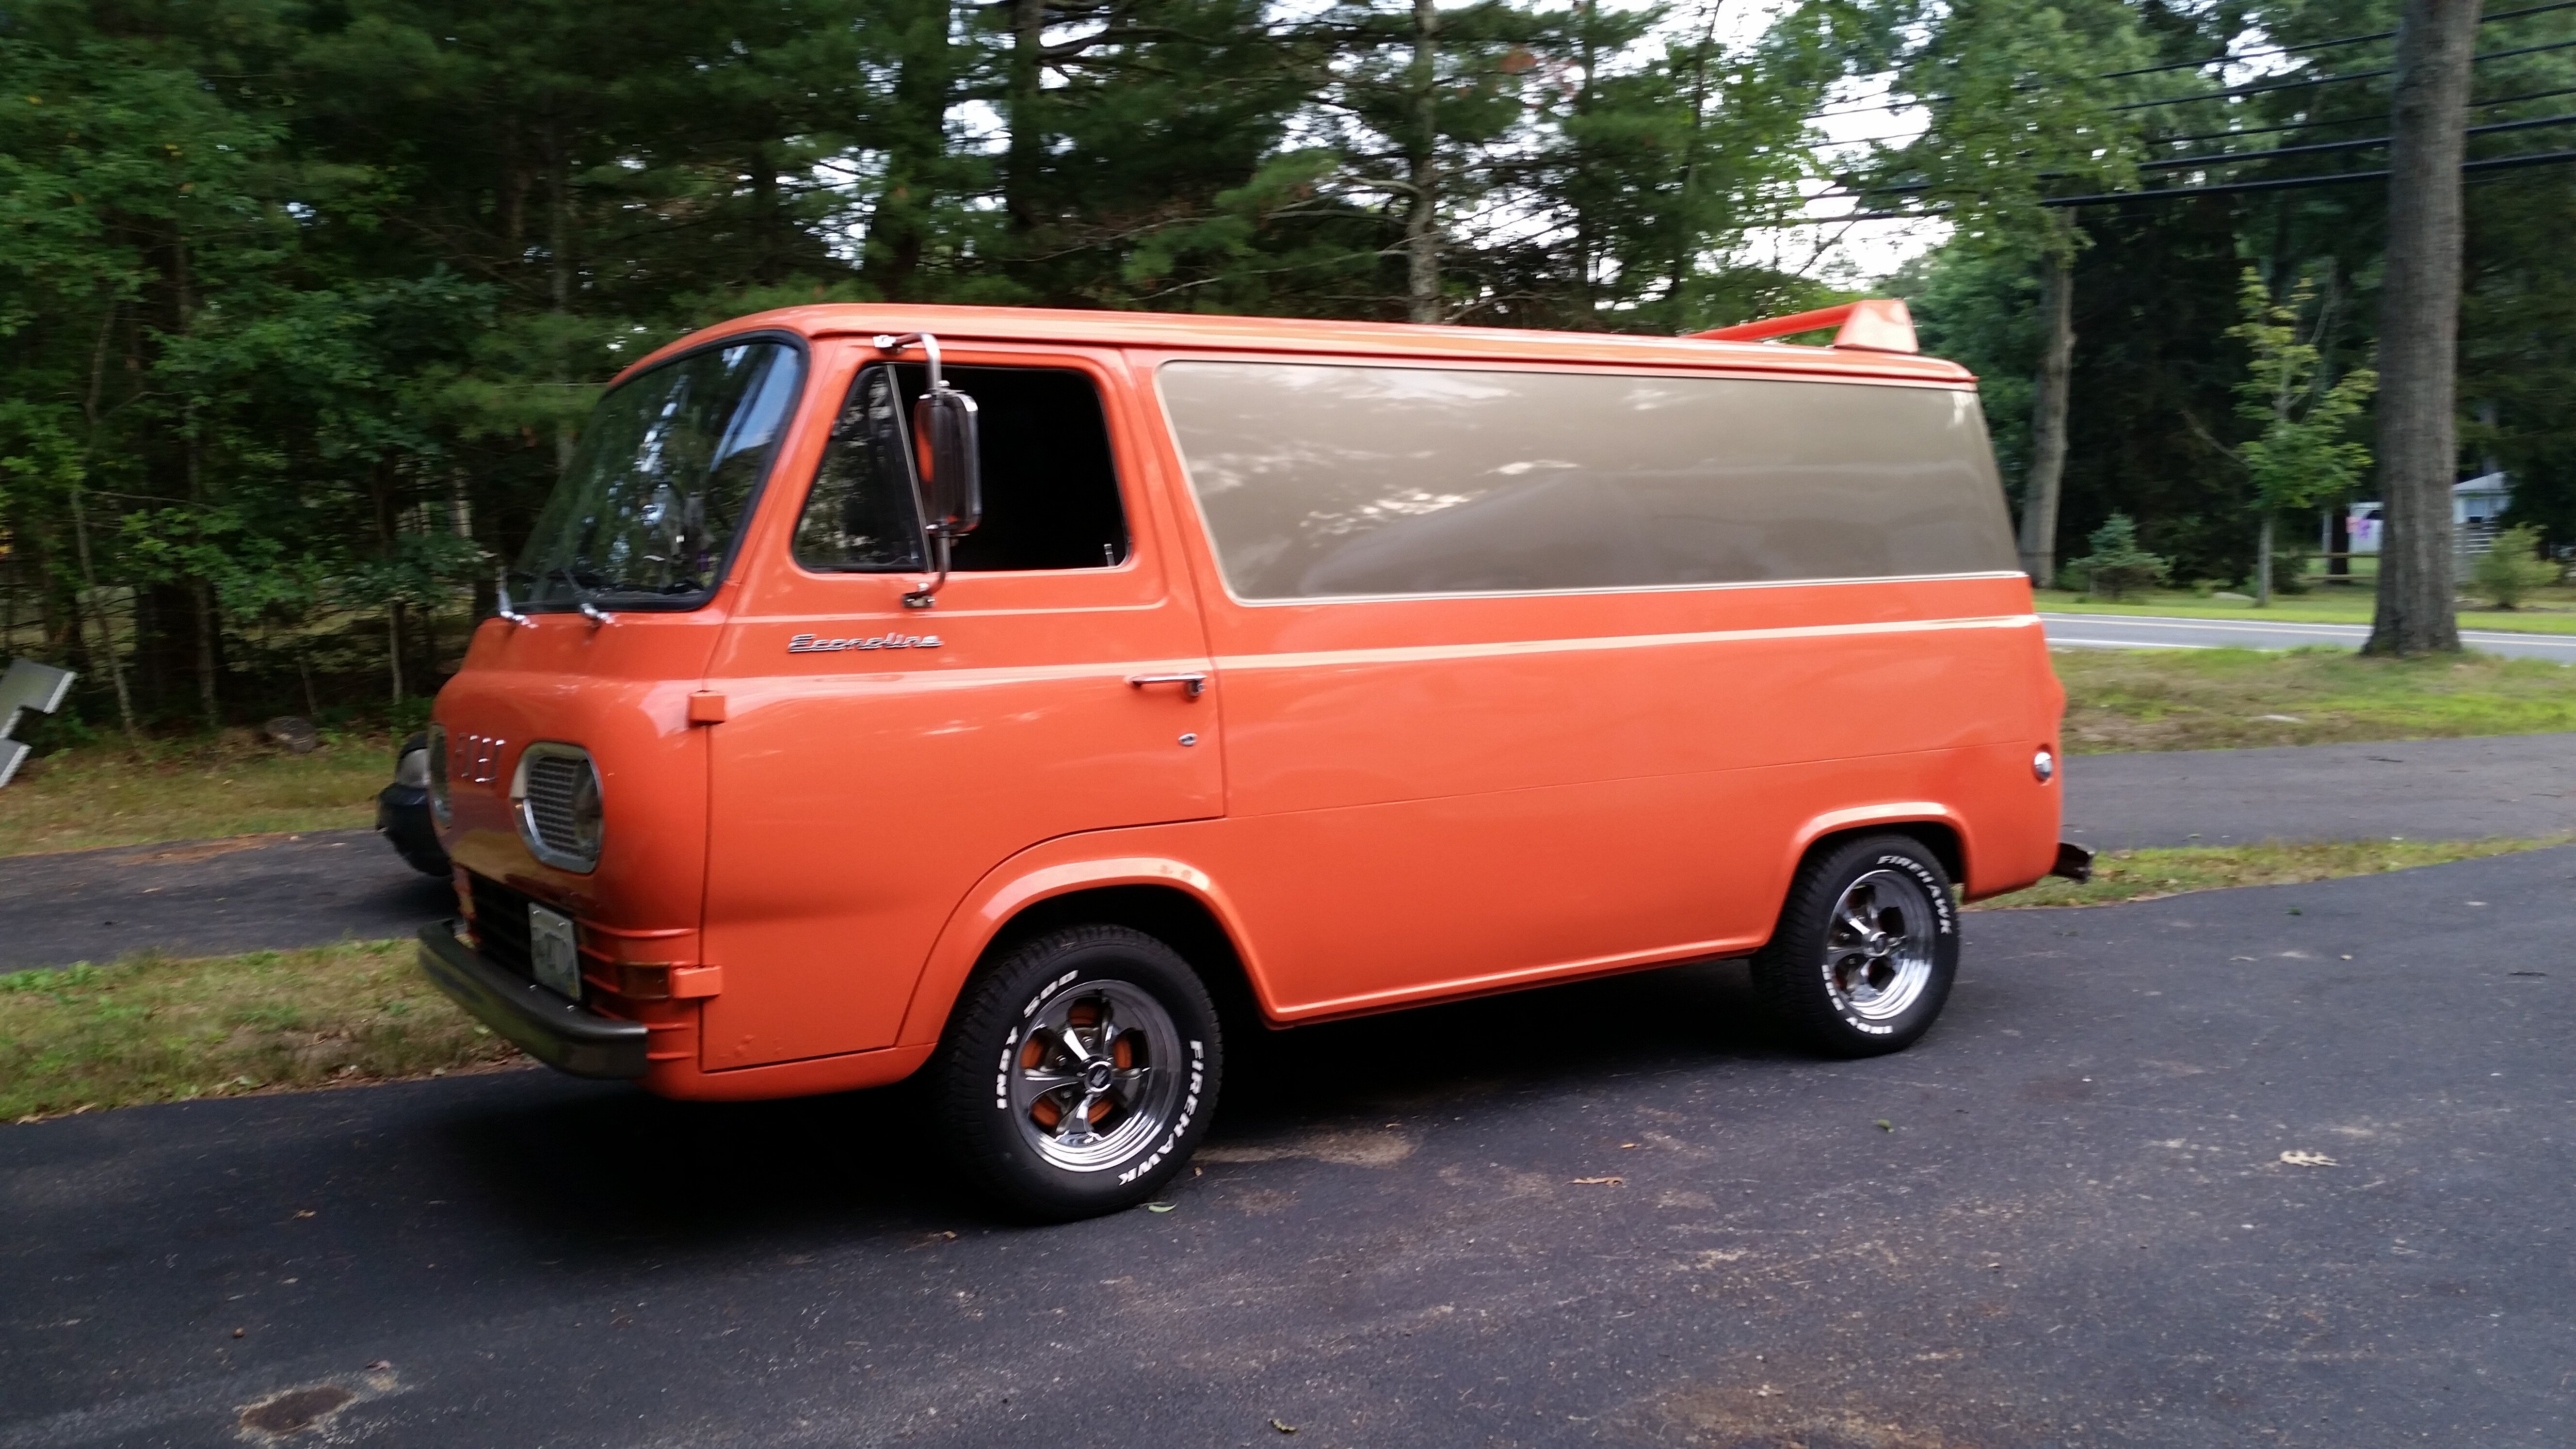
<point>1079,1072</point>
<point>1866,948</point>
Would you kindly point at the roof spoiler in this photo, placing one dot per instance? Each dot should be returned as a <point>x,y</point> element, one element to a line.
<point>1874,324</point>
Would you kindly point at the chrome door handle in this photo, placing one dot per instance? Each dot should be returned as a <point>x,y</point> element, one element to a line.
<point>1195,683</point>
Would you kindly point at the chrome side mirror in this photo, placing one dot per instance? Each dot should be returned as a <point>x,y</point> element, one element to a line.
<point>948,467</point>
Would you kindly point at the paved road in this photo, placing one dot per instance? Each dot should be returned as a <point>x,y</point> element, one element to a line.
<point>2510,785</point>
<point>210,896</point>
<point>2123,631</point>
<point>2063,1219</point>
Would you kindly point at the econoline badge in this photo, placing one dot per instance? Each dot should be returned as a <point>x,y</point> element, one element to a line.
<point>810,644</point>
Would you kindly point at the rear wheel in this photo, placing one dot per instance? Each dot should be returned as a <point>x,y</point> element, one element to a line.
<point>1865,950</point>
<point>1079,1072</point>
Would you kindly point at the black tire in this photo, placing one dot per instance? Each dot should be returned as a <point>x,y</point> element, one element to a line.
<point>1136,1094</point>
<point>1874,980</point>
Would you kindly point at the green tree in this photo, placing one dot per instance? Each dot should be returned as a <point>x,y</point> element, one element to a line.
<point>2117,566</point>
<point>2512,567</point>
<point>2304,454</point>
<point>2025,105</point>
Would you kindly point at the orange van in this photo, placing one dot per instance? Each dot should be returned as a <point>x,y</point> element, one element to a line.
<point>1013,696</point>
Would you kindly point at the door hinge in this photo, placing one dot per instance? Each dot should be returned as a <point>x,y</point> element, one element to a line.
<point>706,707</point>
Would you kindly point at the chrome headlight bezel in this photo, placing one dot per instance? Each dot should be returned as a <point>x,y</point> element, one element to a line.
<point>436,764</point>
<point>589,817</point>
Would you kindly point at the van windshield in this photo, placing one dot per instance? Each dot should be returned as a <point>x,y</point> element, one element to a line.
<point>661,481</point>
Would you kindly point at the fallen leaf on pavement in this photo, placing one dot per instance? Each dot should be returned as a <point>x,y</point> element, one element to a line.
<point>1159,1207</point>
<point>1601,1182</point>
<point>2309,1159</point>
<point>1283,1428</point>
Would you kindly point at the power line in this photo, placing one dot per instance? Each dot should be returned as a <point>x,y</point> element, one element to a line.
<point>2235,158</point>
<point>2224,158</point>
<point>2224,59</point>
<point>2234,92</point>
<point>2372,118</point>
<point>2280,183</point>
<point>2302,49</point>
<point>2288,183</point>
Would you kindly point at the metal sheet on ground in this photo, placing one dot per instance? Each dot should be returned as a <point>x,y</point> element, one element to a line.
<point>2281,1166</point>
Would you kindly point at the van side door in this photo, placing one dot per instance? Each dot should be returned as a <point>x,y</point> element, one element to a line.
<point>876,760</point>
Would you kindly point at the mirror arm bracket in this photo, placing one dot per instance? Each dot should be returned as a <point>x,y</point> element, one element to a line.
<point>889,342</point>
<point>928,594</point>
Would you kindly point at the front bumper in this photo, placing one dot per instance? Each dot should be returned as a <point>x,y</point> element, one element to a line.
<point>557,1032</point>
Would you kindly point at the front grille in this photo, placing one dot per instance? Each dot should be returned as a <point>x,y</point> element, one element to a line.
<point>501,925</point>
<point>553,781</point>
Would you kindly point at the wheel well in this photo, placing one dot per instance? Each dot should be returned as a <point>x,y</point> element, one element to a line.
<point>1172,916</point>
<point>1934,836</point>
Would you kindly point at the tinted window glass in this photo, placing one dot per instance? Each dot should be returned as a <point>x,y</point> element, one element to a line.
<point>861,514</point>
<point>665,468</point>
<point>1321,480</point>
<point>1050,486</point>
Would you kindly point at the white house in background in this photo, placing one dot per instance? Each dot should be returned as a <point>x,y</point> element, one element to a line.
<point>2476,506</point>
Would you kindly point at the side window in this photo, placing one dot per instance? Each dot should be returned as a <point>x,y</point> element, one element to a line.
<point>1325,480</point>
<point>1050,485</point>
<point>861,516</point>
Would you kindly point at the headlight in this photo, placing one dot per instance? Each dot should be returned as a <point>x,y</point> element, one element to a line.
<point>556,791</point>
<point>412,770</point>
<point>434,761</point>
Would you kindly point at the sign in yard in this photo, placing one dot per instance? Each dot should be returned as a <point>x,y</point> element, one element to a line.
<point>28,685</point>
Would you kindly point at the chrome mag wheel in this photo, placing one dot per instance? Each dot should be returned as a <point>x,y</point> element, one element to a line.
<point>1098,1073</point>
<point>1879,945</point>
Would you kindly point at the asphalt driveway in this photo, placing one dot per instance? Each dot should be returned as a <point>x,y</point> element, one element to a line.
<point>273,892</point>
<point>2283,1166</point>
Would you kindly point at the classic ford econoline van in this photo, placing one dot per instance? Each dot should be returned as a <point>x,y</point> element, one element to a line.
<point>1014,696</point>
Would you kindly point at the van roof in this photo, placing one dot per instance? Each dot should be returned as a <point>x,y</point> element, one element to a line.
<point>1191,332</point>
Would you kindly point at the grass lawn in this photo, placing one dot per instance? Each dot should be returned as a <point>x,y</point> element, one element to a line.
<point>110,795</point>
<point>2551,611</point>
<point>2145,875</point>
<point>2206,699</point>
<point>153,1029</point>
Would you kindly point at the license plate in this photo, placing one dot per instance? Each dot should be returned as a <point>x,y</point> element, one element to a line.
<point>553,958</point>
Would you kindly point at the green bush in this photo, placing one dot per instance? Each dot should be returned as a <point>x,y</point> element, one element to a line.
<point>2117,566</point>
<point>2290,570</point>
<point>2508,572</point>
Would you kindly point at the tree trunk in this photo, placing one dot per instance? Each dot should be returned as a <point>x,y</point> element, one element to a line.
<point>207,622</point>
<point>558,284</point>
<point>2048,420</point>
<point>916,142</point>
<point>393,646</point>
<point>105,650</point>
<point>80,527</point>
<point>1028,141</point>
<point>1422,155</point>
<point>2419,327</point>
<point>2263,563</point>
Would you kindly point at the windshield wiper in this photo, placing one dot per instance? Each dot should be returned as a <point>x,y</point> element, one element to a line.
<point>584,598</point>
